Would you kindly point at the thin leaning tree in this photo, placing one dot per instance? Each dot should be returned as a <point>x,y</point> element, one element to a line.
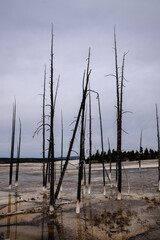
<point>44,134</point>
<point>81,157</point>
<point>74,134</point>
<point>102,153</point>
<point>84,157</point>
<point>140,151</point>
<point>61,145</point>
<point>90,142</point>
<point>12,143</point>
<point>102,146</point>
<point>158,139</point>
<point>18,154</point>
<point>110,160</point>
<point>42,124</point>
<point>82,140</point>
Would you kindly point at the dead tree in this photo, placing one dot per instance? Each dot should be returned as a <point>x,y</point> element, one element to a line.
<point>42,125</point>
<point>84,165</point>
<point>90,143</point>
<point>81,157</point>
<point>48,167</point>
<point>51,158</point>
<point>158,139</point>
<point>12,143</point>
<point>102,148</point>
<point>61,144</point>
<point>44,134</point>
<point>102,153</point>
<point>118,110</point>
<point>74,131</point>
<point>140,151</point>
<point>54,107</point>
<point>120,135</point>
<point>119,91</point>
<point>110,160</point>
<point>18,154</point>
<point>52,200</point>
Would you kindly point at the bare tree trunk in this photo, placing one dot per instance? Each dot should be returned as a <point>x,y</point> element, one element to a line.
<point>52,200</point>
<point>61,145</point>
<point>48,164</point>
<point>80,173</point>
<point>43,125</point>
<point>61,141</point>
<point>140,151</point>
<point>158,148</point>
<point>84,165</point>
<point>54,107</point>
<point>117,91</point>
<point>90,143</point>
<point>12,144</point>
<point>51,144</point>
<point>110,160</point>
<point>74,132</point>
<point>101,130</point>
<point>18,154</point>
<point>120,131</point>
<point>81,157</point>
<point>119,118</point>
<point>44,163</point>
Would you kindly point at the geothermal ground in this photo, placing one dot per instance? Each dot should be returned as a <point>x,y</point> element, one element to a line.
<point>24,209</point>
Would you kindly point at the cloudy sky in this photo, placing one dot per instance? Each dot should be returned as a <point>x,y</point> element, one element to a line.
<point>25,34</point>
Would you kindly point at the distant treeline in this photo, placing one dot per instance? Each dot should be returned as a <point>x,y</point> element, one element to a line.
<point>125,156</point>
<point>97,157</point>
<point>31,160</point>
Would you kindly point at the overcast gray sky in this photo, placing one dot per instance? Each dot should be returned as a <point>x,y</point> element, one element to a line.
<point>25,33</point>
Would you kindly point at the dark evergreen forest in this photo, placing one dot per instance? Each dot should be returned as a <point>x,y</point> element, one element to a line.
<point>125,156</point>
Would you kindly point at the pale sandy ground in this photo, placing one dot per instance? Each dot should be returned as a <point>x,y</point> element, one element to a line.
<point>24,210</point>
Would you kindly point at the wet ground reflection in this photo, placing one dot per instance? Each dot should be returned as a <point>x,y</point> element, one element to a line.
<point>100,218</point>
<point>8,219</point>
